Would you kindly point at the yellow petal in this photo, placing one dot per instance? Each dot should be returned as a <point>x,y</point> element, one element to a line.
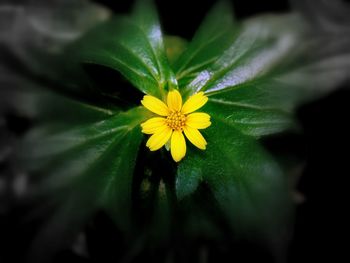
<point>195,137</point>
<point>178,146</point>
<point>157,140</point>
<point>152,125</point>
<point>194,103</point>
<point>155,105</point>
<point>174,100</point>
<point>198,120</point>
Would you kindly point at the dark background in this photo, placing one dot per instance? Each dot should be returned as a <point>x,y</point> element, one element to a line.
<point>321,219</point>
<point>320,223</point>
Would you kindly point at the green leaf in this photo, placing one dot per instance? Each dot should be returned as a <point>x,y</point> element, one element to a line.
<point>133,46</point>
<point>260,45</point>
<point>84,168</point>
<point>278,57</point>
<point>103,180</point>
<point>49,107</point>
<point>46,148</point>
<point>35,33</point>
<point>187,180</point>
<point>241,80</point>
<point>247,110</point>
<point>174,47</point>
<point>273,65</point>
<point>160,227</point>
<point>247,183</point>
<point>212,38</point>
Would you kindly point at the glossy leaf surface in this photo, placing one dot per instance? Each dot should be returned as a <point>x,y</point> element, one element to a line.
<point>210,41</point>
<point>83,152</point>
<point>133,46</point>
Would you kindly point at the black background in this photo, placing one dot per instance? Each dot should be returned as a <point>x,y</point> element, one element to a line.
<point>320,225</point>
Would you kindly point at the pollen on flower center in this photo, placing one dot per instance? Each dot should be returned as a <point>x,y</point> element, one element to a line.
<point>176,120</point>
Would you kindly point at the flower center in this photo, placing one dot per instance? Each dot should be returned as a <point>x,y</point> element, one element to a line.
<point>176,120</point>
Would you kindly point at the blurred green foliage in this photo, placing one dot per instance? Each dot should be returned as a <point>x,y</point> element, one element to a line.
<point>86,151</point>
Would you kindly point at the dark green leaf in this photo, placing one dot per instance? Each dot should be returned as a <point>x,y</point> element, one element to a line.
<point>95,174</point>
<point>280,57</point>
<point>260,45</point>
<point>212,38</point>
<point>255,74</point>
<point>248,185</point>
<point>49,107</point>
<point>187,180</point>
<point>85,168</point>
<point>247,109</point>
<point>242,89</point>
<point>82,169</point>
<point>134,46</point>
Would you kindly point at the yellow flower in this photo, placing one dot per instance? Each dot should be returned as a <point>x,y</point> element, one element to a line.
<point>175,120</point>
